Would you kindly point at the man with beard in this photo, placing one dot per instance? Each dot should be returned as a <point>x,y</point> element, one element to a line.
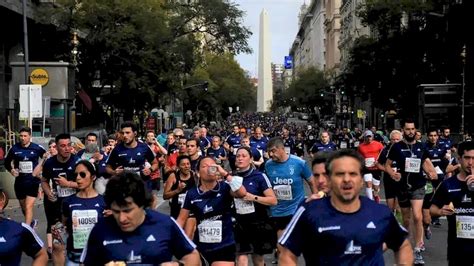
<point>192,146</point>
<point>344,228</point>
<point>131,155</point>
<point>412,159</point>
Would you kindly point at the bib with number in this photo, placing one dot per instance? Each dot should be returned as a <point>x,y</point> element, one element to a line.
<point>234,151</point>
<point>210,231</point>
<point>438,170</point>
<point>82,223</point>
<point>343,145</point>
<point>465,227</point>
<point>25,167</point>
<point>412,165</point>
<point>287,150</point>
<point>244,206</point>
<point>181,198</point>
<point>370,162</point>
<point>283,192</point>
<point>65,191</point>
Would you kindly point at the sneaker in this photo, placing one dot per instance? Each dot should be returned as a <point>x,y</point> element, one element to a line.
<point>422,247</point>
<point>418,257</point>
<point>428,233</point>
<point>436,222</point>
<point>34,224</point>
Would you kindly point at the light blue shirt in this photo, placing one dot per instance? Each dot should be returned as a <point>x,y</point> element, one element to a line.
<point>287,182</point>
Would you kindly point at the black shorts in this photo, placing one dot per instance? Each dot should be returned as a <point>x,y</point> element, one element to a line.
<point>153,184</point>
<point>280,223</point>
<point>24,188</point>
<point>257,238</point>
<point>223,254</point>
<point>390,186</point>
<point>52,211</point>
<point>405,196</point>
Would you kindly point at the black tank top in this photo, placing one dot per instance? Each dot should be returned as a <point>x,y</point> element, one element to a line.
<point>177,201</point>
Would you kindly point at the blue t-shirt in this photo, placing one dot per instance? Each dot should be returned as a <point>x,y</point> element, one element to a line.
<point>320,147</point>
<point>81,215</point>
<point>455,191</point>
<point>132,159</point>
<point>25,159</point>
<point>16,238</point>
<point>437,154</point>
<point>52,168</point>
<point>326,236</point>
<point>287,181</point>
<point>401,152</point>
<point>213,211</point>
<point>233,141</point>
<point>259,144</point>
<point>220,152</point>
<point>155,241</point>
<point>255,183</point>
<point>289,145</point>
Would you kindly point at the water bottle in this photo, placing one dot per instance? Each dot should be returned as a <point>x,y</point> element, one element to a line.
<point>61,229</point>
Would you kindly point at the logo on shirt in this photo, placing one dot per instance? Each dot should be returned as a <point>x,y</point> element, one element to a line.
<point>283,181</point>
<point>134,259</point>
<point>251,184</point>
<point>150,238</point>
<point>218,195</point>
<point>196,200</point>
<point>74,205</point>
<point>118,241</point>
<point>69,168</point>
<point>466,199</point>
<point>2,240</point>
<point>292,170</point>
<point>138,154</point>
<point>25,159</point>
<point>122,154</point>
<point>97,205</point>
<point>351,249</point>
<point>454,190</point>
<point>32,153</point>
<point>329,228</point>
<point>371,225</point>
<point>132,161</point>
<point>57,169</point>
<point>207,209</point>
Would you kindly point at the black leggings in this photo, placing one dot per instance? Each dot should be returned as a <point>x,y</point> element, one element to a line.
<point>52,211</point>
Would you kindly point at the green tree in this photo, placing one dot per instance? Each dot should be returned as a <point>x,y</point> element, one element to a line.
<point>305,91</point>
<point>142,49</point>
<point>228,86</point>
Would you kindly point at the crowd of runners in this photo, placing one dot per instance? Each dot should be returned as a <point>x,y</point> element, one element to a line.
<point>252,185</point>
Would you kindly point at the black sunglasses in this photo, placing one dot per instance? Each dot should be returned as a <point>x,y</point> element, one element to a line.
<point>81,174</point>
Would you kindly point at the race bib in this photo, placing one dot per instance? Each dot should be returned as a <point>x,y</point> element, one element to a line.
<point>343,145</point>
<point>210,231</point>
<point>465,227</point>
<point>65,191</point>
<point>25,167</point>
<point>244,206</point>
<point>370,162</point>
<point>356,144</point>
<point>82,223</point>
<point>412,165</point>
<point>181,198</point>
<point>287,150</point>
<point>283,192</point>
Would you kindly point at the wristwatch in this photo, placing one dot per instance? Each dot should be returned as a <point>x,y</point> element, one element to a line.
<point>256,198</point>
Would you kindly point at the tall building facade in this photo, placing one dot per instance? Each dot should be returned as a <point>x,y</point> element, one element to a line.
<point>332,25</point>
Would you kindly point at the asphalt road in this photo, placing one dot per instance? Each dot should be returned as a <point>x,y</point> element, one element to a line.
<point>435,253</point>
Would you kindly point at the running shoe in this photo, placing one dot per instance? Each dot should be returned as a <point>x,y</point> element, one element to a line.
<point>428,232</point>
<point>418,257</point>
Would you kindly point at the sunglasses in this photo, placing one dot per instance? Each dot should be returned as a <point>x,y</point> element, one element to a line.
<point>81,174</point>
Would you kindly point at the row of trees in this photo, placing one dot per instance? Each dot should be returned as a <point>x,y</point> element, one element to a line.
<point>149,49</point>
<point>411,42</point>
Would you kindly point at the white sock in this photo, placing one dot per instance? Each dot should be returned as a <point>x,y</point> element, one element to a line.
<point>368,192</point>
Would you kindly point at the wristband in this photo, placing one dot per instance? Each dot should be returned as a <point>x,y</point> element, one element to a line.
<point>235,183</point>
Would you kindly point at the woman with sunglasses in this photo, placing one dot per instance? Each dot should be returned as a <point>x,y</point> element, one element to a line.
<point>253,231</point>
<point>178,184</point>
<point>81,211</point>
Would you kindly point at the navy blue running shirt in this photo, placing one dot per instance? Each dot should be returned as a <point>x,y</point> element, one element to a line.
<point>326,236</point>
<point>132,159</point>
<point>16,238</point>
<point>155,241</point>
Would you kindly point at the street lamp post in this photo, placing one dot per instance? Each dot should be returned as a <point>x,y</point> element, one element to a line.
<point>463,56</point>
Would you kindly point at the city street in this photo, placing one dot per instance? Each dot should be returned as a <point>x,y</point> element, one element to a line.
<point>435,254</point>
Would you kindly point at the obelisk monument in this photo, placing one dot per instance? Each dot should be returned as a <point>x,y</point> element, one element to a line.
<point>265,87</point>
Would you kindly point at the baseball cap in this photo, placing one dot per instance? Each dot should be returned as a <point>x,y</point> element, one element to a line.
<point>368,133</point>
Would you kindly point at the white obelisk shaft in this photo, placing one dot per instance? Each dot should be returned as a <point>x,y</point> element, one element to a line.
<point>265,88</point>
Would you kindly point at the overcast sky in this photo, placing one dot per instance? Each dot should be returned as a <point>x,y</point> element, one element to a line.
<point>283,16</point>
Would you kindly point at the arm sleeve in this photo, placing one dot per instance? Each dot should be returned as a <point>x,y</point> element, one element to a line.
<point>181,245</point>
<point>31,242</point>
<point>293,236</point>
<point>306,171</point>
<point>395,233</point>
